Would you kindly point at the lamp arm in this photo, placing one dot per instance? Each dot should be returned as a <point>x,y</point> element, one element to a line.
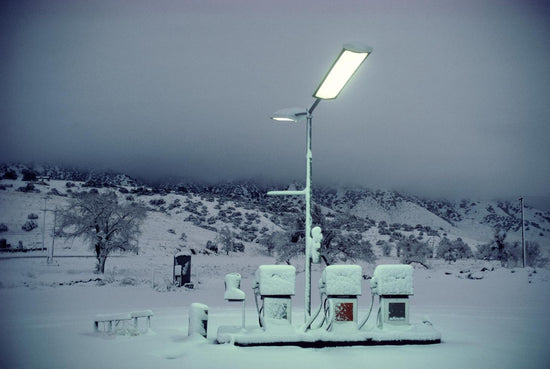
<point>313,106</point>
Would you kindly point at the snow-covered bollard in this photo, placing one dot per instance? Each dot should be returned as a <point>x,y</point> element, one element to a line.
<point>198,319</point>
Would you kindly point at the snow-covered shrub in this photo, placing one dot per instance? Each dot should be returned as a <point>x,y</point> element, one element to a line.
<point>411,250</point>
<point>10,174</point>
<point>453,250</point>
<point>55,192</point>
<point>29,225</point>
<point>212,246</point>
<point>534,255</point>
<point>386,248</point>
<point>238,247</point>
<point>123,190</point>
<point>175,204</point>
<point>157,202</point>
<point>28,188</point>
<point>509,254</point>
<point>128,281</point>
<point>29,175</point>
<point>340,247</point>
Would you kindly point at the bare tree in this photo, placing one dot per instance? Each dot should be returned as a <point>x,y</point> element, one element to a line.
<point>227,240</point>
<point>107,224</point>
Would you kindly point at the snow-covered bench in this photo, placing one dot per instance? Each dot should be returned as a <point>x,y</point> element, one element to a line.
<point>113,320</point>
<point>109,320</point>
<point>142,314</point>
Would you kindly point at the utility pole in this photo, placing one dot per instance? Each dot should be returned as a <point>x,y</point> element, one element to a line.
<point>44,225</point>
<point>49,258</point>
<point>523,251</point>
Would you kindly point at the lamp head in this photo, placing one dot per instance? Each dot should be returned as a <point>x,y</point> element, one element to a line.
<point>349,60</point>
<point>290,115</point>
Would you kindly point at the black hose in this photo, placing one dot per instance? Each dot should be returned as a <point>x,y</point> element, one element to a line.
<point>258,309</point>
<point>312,318</point>
<point>368,315</point>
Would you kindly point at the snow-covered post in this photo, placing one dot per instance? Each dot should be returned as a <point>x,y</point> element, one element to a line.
<point>309,159</point>
<point>293,115</point>
<point>198,319</point>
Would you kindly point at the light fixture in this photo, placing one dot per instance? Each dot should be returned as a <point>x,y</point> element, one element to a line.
<point>348,61</point>
<point>289,115</point>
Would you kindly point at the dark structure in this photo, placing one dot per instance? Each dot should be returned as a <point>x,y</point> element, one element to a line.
<point>182,270</point>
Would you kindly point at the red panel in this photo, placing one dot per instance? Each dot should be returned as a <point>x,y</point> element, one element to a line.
<point>344,312</point>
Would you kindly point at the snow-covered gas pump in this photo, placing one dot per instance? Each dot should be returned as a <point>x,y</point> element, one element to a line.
<point>275,284</point>
<point>394,285</point>
<point>342,285</point>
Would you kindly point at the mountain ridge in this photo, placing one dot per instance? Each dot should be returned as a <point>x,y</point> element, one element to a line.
<point>391,211</point>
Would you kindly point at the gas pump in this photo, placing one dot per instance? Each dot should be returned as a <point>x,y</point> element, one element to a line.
<point>342,285</point>
<point>275,284</point>
<point>393,284</point>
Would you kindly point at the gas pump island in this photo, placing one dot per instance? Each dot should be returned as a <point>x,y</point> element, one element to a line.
<point>336,321</point>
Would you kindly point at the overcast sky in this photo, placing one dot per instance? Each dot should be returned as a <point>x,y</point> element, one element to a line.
<point>454,100</point>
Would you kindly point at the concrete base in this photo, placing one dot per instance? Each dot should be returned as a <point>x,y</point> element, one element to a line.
<point>422,334</point>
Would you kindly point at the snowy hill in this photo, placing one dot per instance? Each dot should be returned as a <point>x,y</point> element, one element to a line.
<point>188,217</point>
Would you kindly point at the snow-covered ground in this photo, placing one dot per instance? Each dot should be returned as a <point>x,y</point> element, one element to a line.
<point>489,317</point>
<point>499,321</point>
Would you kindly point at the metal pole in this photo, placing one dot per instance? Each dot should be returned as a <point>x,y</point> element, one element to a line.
<point>44,227</point>
<point>309,158</point>
<point>523,250</point>
<point>307,192</point>
<point>50,257</point>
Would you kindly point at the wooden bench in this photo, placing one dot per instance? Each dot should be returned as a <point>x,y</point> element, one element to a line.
<point>113,320</point>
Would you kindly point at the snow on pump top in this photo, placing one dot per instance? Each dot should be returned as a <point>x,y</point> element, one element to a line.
<point>342,280</point>
<point>276,280</point>
<point>392,280</point>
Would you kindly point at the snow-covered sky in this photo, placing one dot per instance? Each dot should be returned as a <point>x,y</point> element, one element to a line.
<point>453,101</point>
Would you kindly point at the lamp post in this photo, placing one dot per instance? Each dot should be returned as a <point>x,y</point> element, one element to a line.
<point>344,67</point>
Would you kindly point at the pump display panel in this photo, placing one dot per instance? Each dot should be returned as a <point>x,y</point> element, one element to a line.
<point>397,311</point>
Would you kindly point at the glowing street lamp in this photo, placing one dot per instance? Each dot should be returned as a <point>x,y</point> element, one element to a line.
<point>348,61</point>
